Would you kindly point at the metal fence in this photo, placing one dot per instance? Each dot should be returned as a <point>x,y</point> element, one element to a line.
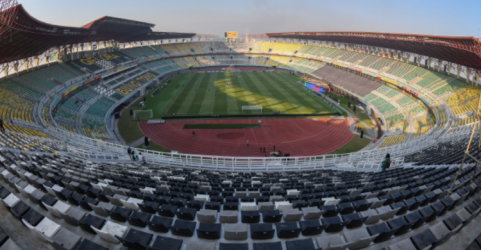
<point>81,146</point>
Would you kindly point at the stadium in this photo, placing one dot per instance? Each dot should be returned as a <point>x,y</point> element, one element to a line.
<point>254,141</point>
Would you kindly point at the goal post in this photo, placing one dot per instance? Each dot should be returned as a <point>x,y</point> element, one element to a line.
<point>143,114</point>
<point>253,108</point>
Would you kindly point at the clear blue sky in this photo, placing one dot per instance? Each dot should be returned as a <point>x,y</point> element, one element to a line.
<point>431,17</point>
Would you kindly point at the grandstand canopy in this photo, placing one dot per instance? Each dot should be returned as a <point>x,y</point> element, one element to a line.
<point>23,36</point>
<point>460,50</point>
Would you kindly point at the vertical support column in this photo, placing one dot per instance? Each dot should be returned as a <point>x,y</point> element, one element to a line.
<point>78,48</point>
<point>477,75</point>
<point>448,69</point>
<point>458,70</point>
<point>35,60</point>
<point>15,67</point>
<point>25,64</point>
<point>58,52</point>
<point>468,75</point>
<point>5,69</point>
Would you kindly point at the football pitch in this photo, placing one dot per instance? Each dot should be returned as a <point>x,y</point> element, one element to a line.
<point>225,93</point>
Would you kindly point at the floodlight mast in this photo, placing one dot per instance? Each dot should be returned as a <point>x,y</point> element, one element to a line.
<point>476,128</point>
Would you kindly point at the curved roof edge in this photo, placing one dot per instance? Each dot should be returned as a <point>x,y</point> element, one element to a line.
<point>456,49</point>
<point>23,36</point>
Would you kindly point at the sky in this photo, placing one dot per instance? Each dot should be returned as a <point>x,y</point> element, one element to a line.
<point>429,17</point>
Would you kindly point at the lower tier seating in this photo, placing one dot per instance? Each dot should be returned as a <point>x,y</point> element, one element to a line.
<point>110,205</point>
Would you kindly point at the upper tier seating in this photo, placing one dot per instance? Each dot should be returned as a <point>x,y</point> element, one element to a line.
<point>41,77</point>
<point>399,69</point>
<point>184,48</point>
<point>196,47</point>
<point>19,89</point>
<point>140,52</point>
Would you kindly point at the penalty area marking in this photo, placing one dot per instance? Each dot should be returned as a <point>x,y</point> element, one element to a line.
<point>232,111</point>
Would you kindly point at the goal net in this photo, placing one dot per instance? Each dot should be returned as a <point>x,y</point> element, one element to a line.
<point>252,109</point>
<point>143,114</point>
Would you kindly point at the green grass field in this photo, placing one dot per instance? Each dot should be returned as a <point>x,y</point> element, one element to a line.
<point>359,113</point>
<point>271,90</point>
<point>194,94</point>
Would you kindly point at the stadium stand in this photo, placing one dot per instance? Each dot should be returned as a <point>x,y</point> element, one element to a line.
<point>431,81</point>
<point>184,48</point>
<point>74,191</point>
<point>170,48</point>
<point>195,47</point>
<point>140,52</point>
<point>368,209</point>
<point>393,140</point>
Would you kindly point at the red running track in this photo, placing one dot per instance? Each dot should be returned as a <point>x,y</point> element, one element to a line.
<point>299,137</point>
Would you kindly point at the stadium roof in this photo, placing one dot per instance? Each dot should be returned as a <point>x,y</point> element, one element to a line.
<point>460,50</point>
<point>23,36</point>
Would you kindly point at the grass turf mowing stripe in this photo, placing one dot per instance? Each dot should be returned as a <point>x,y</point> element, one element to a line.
<point>246,97</point>
<point>177,102</point>
<point>252,95</point>
<point>194,88</point>
<point>270,90</point>
<point>220,104</point>
<point>296,91</point>
<point>199,94</point>
<point>232,93</point>
<point>309,103</point>
<point>243,95</point>
<point>291,104</point>
<point>272,102</point>
<point>220,126</point>
<point>207,106</point>
<point>306,100</point>
<point>161,102</point>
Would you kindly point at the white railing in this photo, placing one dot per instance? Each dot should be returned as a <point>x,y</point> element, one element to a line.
<point>376,165</point>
